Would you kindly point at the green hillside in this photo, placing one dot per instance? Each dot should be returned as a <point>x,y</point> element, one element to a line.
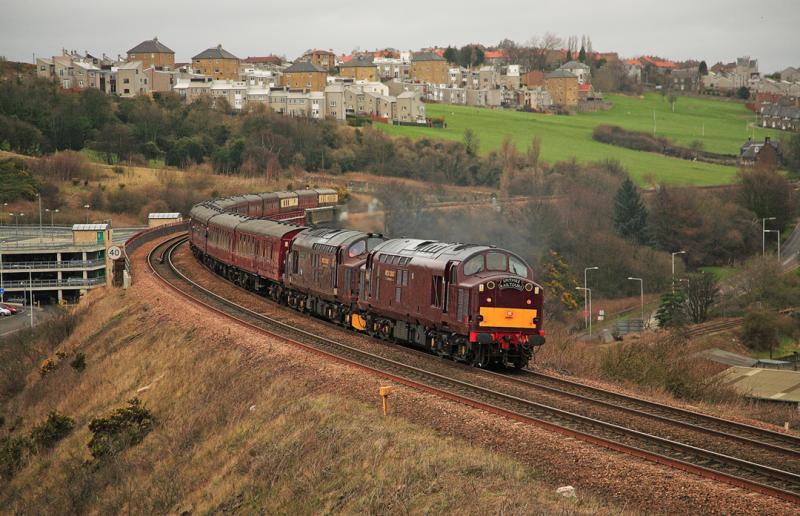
<point>565,137</point>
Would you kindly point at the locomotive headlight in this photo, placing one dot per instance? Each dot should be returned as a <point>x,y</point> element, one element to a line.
<point>480,287</point>
<point>529,286</point>
<point>528,301</point>
<point>490,285</point>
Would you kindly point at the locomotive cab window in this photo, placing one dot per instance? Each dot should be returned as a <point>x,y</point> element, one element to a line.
<point>496,262</point>
<point>474,265</point>
<point>357,249</point>
<point>516,266</point>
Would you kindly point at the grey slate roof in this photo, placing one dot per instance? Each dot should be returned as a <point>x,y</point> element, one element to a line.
<point>358,62</point>
<point>302,67</point>
<point>215,53</point>
<point>574,64</point>
<point>426,56</point>
<point>151,46</point>
<point>560,74</point>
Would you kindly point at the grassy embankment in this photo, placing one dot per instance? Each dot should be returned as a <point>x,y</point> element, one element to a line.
<point>721,126</point>
<point>236,431</point>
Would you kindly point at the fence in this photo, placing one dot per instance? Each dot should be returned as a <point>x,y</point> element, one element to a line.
<point>45,283</point>
<point>625,326</point>
<point>54,265</point>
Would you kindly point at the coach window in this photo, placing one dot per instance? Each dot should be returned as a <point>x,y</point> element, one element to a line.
<point>515,266</point>
<point>496,262</point>
<point>357,249</point>
<point>474,265</point>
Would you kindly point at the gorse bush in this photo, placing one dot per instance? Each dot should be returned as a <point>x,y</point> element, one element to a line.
<point>52,430</point>
<point>79,362</point>
<point>125,427</point>
<point>14,452</point>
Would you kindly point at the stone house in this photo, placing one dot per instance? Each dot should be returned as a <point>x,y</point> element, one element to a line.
<point>153,54</point>
<point>532,79</point>
<point>410,108</point>
<point>579,70</point>
<point>131,80</point>
<point>85,75</point>
<point>685,80</point>
<point>217,63</point>
<point>535,99</point>
<point>359,69</point>
<point>161,80</point>
<point>783,117</point>
<point>334,102</point>
<point>429,67</point>
<point>563,88</point>
<point>790,74</point>
<point>324,59</point>
<point>304,75</point>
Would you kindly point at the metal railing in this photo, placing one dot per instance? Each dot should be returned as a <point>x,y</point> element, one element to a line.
<point>14,245</point>
<point>41,283</point>
<point>55,265</point>
<point>148,235</point>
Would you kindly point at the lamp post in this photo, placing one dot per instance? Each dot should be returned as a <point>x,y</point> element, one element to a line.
<point>778,234</point>
<point>87,212</point>
<point>764,230</point>
<point>641,294</point>
<point>30,289</point>
<point>39,197</point>
<point>673,267</point>
<point>589,291</point>
<point>5,207</point>
<point>587,309</point>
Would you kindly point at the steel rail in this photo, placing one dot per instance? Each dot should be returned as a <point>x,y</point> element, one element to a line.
<point>709,464</point>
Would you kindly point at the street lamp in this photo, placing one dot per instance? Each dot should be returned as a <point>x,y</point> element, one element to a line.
<point>585,290</point>
<point>87,212</point>
<point>39,197</point>
<point>764,230</point>
<point>673,267</point>
<point>587,309</point>
<point>778,234</point>
<point>641,294</point>
<point>5,207</point>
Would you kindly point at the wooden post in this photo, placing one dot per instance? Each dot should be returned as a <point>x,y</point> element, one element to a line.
<point>384,392</point>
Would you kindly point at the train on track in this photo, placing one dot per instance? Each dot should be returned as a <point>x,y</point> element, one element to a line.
<point>473,303</point>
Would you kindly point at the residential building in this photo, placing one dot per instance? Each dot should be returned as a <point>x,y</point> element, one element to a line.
<point>783,117</point>
<point>685,80</point>
<point>153,54</point>
<point>359,69</point>
<point>752,151</point>
<point>193,88</point>
<point>392,68</point>
<point>716,83</point>
<point>217,63</point>
<point>495,57</point>
<point>429,67</point>
<point>790,74</point>
<point>324,59</point>
<point>410,108</point>
<point>579,70</point>
<point>85,75</point>
<point>334,102</point>
<point>267,61</point>
<point>532,79</point>
<point>633,70</point>
<point>563,88</point>
<point>259,76</point>
<point>131,80</point>
<point>510,77</point>
<point>535,99</point>
<point>304,75</point>
<point>234,93</point>
<point>160,81</point>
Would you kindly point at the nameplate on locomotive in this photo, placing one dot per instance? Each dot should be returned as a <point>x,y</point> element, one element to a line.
<point>516,284</point>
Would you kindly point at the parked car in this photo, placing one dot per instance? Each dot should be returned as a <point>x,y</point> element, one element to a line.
<point>4,311</point>
<point>12,309</point>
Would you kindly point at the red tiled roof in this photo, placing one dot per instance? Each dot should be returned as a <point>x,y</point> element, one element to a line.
<point>495,54</point>
<point>325,52</point>
<point>585,87</point>
<point>633,61</point>
<point>659,63</point>
<point>439,52</point>
<point>345,59</point>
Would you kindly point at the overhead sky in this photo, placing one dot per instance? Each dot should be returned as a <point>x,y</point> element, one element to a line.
<point>768,30</point>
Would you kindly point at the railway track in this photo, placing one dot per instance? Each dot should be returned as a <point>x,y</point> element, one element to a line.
<point>718,466</point>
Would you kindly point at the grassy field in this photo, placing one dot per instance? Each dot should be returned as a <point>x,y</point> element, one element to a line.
<point>564,137</point>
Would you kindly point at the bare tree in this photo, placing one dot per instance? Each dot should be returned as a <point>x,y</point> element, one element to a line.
<point>701,293</point>
<point>540,48</point>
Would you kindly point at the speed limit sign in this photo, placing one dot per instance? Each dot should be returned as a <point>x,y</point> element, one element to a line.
<point>114,252</point>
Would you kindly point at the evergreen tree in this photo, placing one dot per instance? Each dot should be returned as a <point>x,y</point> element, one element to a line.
<point>569,55</point>
<point>630,214</point>
<point>702,69</point>
<point>582,55</point>
<point>559,284</point>
<point>671,312</point>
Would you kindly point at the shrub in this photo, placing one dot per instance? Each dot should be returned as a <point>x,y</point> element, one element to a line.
<point>52,430</point>
<point>47,365</point>
<point>760,330</point>
<point>125,427</point>
<point>615,135</point>
<point>14,452</point>
<point>79,362</point>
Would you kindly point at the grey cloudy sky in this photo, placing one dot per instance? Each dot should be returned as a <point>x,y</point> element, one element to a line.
<point>768,30</point>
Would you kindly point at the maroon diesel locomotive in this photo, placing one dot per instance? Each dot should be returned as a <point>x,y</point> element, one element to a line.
<point>472,303</point>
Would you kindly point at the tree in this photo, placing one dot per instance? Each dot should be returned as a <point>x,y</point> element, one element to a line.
<point>671,311</point>
<point>115,142</point>
<point>760,330</point>
<point>702,69</point>
<point>582,54</point>
<point>471,142</point>
<point>451,54</point>
<point>470,55</point>
<point>743,93</point>
<point>767,194</point>
<point>630,214</point>
<point>701,292</point>
<point>569,55</point>
<point>559,284</point>
<point>790,153</point>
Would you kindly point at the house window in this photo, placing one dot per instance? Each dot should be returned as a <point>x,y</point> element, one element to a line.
<point>126,81</point>
<point>126,91</point>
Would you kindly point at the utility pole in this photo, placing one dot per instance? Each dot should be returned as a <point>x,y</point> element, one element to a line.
<point>778,234</point>
<point>587,309</point>
<point>585,290</point>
